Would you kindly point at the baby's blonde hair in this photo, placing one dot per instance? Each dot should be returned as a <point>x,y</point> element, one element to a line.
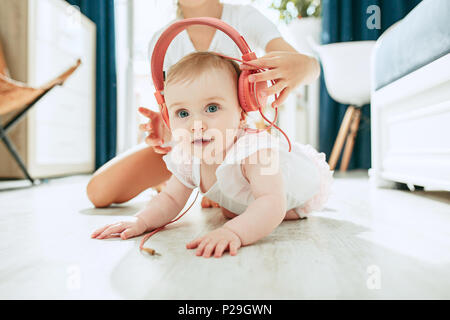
<point>196,63</point>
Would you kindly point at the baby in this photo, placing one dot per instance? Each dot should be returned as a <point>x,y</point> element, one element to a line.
<point>252,176</point>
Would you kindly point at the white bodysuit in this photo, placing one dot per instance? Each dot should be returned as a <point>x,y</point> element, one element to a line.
<point>307,176</point>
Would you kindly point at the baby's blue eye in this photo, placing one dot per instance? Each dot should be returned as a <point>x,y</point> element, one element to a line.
<point>212,108</point>
<point>182,113</point>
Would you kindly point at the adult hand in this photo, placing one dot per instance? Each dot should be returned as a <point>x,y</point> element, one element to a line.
<point>158,133</point>
<point>287,69</point>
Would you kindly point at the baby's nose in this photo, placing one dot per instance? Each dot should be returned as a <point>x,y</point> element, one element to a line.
<point>198,126</point>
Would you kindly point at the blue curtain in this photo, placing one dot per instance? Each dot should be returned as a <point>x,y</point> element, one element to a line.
<point>345,20</point>
<point>101,12</point>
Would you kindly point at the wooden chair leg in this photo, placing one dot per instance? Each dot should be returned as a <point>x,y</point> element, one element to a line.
<point>340,139</point>
<point>351,139</point>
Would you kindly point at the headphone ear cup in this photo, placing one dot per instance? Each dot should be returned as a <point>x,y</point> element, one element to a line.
<point>260,86</point>
<point>243,83</point>
<point>248,92</point>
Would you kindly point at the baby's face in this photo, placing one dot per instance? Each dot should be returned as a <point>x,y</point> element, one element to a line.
<point>205,108</point>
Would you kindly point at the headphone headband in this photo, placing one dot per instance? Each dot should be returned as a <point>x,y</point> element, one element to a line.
<point>161,46</point>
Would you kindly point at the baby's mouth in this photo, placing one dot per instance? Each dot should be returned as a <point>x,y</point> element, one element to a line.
<point>202,141</point>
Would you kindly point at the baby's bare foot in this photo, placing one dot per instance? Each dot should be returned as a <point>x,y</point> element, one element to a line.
<point>208,203</point>
<point>292,215</point>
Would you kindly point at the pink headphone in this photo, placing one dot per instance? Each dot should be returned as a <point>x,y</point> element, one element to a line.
<point>249,99</point>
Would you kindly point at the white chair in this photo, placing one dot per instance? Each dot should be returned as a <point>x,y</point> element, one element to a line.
<point>346,67</point>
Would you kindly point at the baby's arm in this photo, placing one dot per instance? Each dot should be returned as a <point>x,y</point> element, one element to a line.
<point>268,209</point>
<point>161,209</point>
<point>262,216</point>
<point>166,205</point>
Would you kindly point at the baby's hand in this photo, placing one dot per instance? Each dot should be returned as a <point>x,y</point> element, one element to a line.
<point>123,229</point>
<point>219,239</point>
<point>158,133</point>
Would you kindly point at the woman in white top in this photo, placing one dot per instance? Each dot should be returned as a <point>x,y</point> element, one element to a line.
<point>243,18</point>
<point>132,172</point>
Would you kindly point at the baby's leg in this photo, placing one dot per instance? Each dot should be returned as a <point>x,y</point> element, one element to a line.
<point>127,175</point>
<point>290,215</point>
<point>228,214</point>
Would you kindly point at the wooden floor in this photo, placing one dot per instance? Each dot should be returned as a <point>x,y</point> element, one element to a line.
<point>367,244</point>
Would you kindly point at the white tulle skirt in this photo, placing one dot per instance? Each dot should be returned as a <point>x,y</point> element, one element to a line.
<point>317,202</point>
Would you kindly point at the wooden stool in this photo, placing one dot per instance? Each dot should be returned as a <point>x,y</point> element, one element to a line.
<point>350,122</point>
<point>347,73</point>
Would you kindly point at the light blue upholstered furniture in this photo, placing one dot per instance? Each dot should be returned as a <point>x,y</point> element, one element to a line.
<point>410,96</point>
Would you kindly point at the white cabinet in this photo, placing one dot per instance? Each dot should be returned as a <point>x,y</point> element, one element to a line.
<point>42,38</point>
<point>410,120</point>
